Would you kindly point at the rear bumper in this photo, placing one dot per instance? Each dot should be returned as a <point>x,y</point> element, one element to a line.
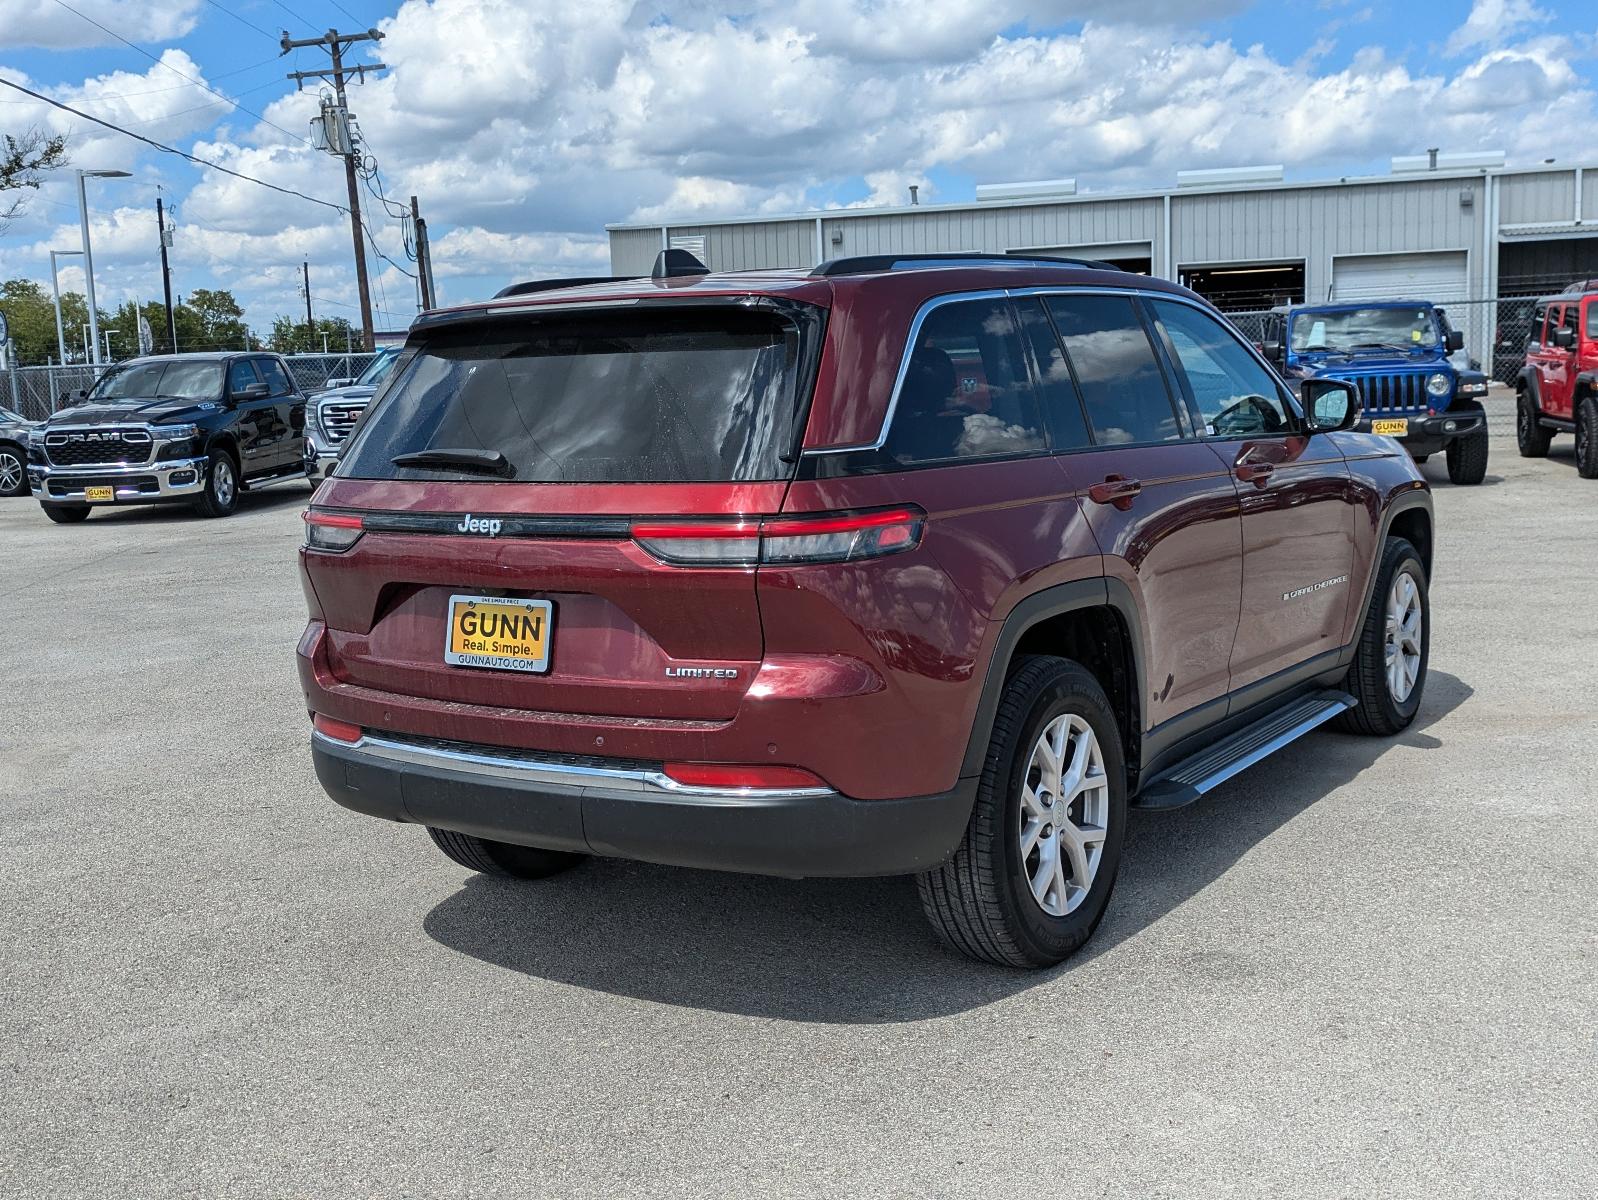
<point>629,811</point>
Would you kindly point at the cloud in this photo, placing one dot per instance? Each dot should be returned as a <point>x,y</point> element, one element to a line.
<point>53,27</point>
<point>1494,22</point>
<point>658,111</point>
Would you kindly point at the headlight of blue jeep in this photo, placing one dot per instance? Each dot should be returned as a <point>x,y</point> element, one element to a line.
<point>1439,384</point>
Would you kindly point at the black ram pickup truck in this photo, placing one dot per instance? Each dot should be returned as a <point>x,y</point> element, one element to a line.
<point>199,428</point>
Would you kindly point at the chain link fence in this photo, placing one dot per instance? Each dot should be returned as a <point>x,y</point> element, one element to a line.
<point>36,392</point>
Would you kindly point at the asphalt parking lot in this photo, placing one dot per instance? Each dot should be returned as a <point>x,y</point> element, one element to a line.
<point>1361,967</point>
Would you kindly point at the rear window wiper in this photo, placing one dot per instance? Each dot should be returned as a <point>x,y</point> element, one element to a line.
<point>491,462</point>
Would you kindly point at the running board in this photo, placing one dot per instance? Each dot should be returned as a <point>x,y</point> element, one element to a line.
<point>255,485</point>
<point>1192,777</point>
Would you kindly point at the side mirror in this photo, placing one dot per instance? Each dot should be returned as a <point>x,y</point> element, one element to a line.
<point>1271,350</point>
<point>1565,339</point>
<point>253,391</point>
<point>1329,405</point>
<point>1454,341</point>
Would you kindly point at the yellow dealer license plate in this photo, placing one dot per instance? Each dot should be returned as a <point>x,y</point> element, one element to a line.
<point>1397,427</point>
<point>497,632</point>
<point>99,493</point>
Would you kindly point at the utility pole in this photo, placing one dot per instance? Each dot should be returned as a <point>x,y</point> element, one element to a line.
<point>166,276</point>
<point>424,259</point>
<point>340,140</point>
<point>310,323</point>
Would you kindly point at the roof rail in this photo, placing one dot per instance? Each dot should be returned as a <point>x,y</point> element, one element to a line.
<point>550,285</point>
<point>868,264</point>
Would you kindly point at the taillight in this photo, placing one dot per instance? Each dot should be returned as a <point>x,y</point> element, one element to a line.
<point>748,541</point>
<point>741,776</point>
<point>339,731</point>
<point>330,531</point>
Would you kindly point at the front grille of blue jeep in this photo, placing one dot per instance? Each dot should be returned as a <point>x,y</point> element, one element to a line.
<point>1397,392</point>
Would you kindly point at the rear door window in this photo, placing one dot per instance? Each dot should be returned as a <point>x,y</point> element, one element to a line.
<point>1123,387</point>
<point>647,395</point>
<point>1592,321</point>
<point>1060,400</point>
<point>966,391</point>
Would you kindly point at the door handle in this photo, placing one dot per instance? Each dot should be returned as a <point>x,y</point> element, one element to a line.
<point>1117,490</point>
<point>1259,474</point>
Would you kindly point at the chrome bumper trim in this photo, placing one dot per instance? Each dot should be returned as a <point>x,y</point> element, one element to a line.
<point>39,477</point>
<point>530,769</point>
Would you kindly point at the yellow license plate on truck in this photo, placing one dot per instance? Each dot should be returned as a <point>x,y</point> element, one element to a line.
<point>1397,427</point>
<point>99,493</point>
<point>499,633</point>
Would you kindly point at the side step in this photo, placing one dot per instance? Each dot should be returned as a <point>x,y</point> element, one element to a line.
<point>255,485</point>
<point>1192,777</point>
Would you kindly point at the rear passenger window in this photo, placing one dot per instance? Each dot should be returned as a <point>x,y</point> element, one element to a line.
<point>1592,322</point>
<point>966,392</point>
<point>1060,401</point>
<point>1123,388</point>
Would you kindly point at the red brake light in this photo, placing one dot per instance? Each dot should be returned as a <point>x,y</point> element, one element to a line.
<point>741,776</point>
<point>819,538</point>
<point>339,731</point>
<point>331,531</point>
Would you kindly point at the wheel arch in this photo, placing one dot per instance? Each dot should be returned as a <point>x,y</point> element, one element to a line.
<point>1526,383</point>
<point>1094,622</point>
<point>227,443</point>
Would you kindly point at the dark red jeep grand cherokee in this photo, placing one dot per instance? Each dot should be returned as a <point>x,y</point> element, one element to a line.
<point>906,565</point>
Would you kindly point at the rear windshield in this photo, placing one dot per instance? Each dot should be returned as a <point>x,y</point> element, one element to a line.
<point>646,395</point>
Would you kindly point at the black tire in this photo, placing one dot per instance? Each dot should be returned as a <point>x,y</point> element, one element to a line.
<point>66,514</point>
<point>13,470</point>
<point>501,858</point>
<point>1379,713</point>
<point>1530,437</point>
<point>980,902</point>
<point>1587,437</point>
<point>221,495</point>
<point>1467,458</point>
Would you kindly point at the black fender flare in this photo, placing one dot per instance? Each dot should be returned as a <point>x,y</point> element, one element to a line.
<point>224,440</point>
<point>1587,382</point>
<point>1079,595</point>
<point>1526,382</point>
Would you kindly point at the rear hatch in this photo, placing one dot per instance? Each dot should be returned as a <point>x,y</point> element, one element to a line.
<point>511,461</point>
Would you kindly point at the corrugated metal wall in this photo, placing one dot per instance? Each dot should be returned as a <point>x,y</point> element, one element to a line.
<point>1315,224</point>
<point>1319,224</point>
<point>633,251</point>
<point>1537,199</point>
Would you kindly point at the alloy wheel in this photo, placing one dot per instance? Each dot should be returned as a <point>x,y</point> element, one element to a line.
<point>222,481</point>
<point>1404,634</point>
<point>1064,816</point>
<point>10,472</point>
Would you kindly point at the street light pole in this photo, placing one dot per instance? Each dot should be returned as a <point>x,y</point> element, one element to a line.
<point>55,286</point>
<point>88,256</point>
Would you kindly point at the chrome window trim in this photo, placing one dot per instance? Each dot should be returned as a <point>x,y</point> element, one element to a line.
<point>528,768</point>
<point>1039,290</point>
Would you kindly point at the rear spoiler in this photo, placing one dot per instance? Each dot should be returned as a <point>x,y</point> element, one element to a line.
<point>669,264</point>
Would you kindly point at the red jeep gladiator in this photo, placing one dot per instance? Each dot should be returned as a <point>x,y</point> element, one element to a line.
<point>1557,391</point>
<point>928,565</point>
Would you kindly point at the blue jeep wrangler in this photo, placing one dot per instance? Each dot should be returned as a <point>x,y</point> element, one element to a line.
<point>1396,353</point>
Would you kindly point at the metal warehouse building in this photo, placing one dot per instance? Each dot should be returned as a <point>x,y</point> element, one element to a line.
<point>1461,230</point>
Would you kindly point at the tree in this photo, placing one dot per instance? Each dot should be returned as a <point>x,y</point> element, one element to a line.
<point>30,314</point>
<point>291,337</point>
<point>221,321</point>
<point>22,161</point>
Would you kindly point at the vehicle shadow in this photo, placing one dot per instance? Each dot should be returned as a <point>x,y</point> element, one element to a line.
<point>857,951</point>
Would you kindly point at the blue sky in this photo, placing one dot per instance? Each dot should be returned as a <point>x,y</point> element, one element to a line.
<point>526,127</point>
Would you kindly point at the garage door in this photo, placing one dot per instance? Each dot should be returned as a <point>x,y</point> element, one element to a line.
<point>1436,276</point>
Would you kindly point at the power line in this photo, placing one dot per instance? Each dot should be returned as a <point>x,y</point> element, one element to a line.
<point>180,74</point>
<point>241,19</point>
<point>345,11</point>
<point>164,148</point>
